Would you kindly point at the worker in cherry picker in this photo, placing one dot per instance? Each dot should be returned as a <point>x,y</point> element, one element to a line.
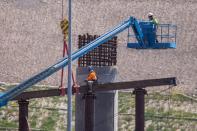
<point>91,78</point>
<point>152,18</point>
<point>155,22</point>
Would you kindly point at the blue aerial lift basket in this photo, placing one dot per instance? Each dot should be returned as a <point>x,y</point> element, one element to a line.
<point>162,36</point>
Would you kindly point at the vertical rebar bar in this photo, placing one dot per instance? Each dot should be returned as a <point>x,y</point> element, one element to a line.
<point>161,33</point>
<point>168,33</point>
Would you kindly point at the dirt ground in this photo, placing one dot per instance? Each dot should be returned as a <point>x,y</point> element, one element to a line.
<point>31,39</point>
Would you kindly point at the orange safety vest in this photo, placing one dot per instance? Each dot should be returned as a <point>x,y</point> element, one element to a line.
<point>92,76</point>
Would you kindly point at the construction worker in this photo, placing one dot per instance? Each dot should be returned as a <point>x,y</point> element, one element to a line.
<point>152,18</point>
<point>155,22</point>
<point>92,74</point>
<point>91,79</point>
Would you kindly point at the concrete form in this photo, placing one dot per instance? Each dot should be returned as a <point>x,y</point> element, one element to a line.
<point>106,104</point>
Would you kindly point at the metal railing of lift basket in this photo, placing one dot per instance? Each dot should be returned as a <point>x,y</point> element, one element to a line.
<point>166,33</point>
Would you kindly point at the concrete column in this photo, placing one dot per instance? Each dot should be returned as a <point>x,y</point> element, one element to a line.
<point>105,108</point>
<point>89,111</point>
<point>23,115</point>
<point>139,109</point>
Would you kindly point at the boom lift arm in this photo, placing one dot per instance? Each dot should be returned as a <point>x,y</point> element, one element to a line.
<point>13,92</point>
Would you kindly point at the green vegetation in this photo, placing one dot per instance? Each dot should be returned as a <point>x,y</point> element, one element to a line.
<point>6,123</point>
<point>163,112</point>
<point>50,122</point>
<point>173,97</point>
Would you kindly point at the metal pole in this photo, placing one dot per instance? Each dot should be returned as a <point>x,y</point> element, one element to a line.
<point>69,120</point>
<point>89,111</point>
<point>139,109</point>
<point>23,115</point>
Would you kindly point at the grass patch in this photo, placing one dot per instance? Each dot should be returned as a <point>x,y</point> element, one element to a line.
<point>5,123</point>
<point>173,97</point>
<point>50,122</point>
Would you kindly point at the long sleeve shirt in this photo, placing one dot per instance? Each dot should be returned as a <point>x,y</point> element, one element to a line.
<point>155,21</point>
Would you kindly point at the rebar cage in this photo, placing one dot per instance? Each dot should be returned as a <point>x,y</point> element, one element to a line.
<point>103,55</point>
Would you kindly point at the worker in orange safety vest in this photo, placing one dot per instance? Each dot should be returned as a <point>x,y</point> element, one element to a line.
<point>91,79</point>
<point>92,74</point>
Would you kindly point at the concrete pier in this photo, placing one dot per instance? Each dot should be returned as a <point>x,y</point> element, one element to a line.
<point>105,104</point>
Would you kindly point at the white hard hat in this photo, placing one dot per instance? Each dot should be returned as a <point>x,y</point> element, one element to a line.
<point>150,14</point>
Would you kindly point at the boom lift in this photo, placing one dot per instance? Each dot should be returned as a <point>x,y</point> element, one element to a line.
<point>144,34</point>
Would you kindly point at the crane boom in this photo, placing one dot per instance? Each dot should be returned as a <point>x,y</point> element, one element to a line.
<point>13,92</point>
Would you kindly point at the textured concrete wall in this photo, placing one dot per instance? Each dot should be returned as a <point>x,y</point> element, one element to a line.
<point>30,37</point>
<point>106,103</point>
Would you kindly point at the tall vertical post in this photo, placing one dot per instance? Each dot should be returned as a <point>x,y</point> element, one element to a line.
<point>23,115</point>
<point>69,92</point>
<point>139,109</point>
<point>89,111</point>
